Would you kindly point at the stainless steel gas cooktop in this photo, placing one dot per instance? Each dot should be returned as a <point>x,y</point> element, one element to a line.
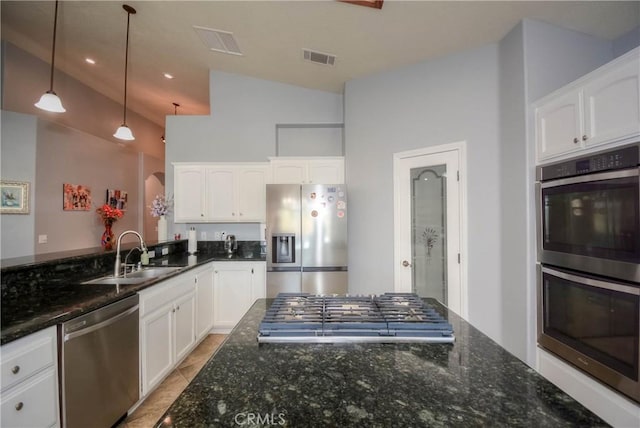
<point>387,318</point>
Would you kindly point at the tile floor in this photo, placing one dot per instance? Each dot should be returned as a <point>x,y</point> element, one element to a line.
<point>148,413</point>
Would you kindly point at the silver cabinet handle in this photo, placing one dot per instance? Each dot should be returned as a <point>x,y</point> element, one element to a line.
<point>15,369</point>
<point>406,263</point>
<point>19,406</point>
<point>173,310</point>
<point>584,138</point>
<point>575,140</point>
<point>178,308</point>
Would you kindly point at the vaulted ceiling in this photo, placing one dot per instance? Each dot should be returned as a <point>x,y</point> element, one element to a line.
<point>271,36</point>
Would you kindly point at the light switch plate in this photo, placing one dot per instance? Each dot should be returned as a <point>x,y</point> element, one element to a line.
<point>42,239</point>
<point>165,251</point>
<point>152,254</point>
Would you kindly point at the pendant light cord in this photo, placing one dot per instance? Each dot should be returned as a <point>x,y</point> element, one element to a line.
<point>126,64</point>
<point>53,49</point>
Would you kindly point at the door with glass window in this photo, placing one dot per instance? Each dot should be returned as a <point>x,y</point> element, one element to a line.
<point>427,226</point>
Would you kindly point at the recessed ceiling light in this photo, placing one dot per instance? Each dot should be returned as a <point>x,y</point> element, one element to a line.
<point>168,76</point>
<point>90,61</point>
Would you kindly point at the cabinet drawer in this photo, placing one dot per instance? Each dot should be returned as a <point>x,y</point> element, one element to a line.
<point>163,294</point>
<point>26,356</point>
<point>33,403</point>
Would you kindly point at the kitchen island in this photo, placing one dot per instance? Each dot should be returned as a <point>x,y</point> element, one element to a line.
<point>472,382</point>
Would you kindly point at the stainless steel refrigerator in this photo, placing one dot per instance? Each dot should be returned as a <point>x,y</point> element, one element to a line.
<point>306,238</point>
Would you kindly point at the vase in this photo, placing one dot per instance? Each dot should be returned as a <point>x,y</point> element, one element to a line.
<point>162,228</point>
<point>107,237</point>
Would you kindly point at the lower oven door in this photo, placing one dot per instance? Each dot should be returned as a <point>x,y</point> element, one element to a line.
<point>593,324</point>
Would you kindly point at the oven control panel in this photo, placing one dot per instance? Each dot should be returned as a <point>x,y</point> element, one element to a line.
<point>624,157</point>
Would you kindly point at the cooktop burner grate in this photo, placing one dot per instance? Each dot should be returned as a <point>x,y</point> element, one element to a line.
<point>390,317</point>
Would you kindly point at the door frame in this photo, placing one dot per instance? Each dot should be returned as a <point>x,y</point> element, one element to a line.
<point>460,149</point>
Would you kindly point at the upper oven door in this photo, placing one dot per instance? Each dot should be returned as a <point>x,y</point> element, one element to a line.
<point>591,223</point>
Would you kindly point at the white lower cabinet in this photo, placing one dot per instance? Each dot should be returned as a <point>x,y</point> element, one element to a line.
<point>167,328</point>
<point>29,373</point>
<point>236,286</point>
<point>204,301</point>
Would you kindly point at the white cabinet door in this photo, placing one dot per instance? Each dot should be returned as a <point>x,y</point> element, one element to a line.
<point>612,105</point>
<point>258,282</point>
<point>189,193</point>
<point>220,194</point>
<point>232,293</point>
<point>308,171</point>
<point>204,303</point>
<point>559,125</point>
<point>293,172</point>
<point>184,313</point>
<point>251,193</point>
<point>32,403</point>
<point>325,172</point>
<point>156,335</point>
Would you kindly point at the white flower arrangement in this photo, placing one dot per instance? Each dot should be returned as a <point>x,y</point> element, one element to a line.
<point>161,205</point>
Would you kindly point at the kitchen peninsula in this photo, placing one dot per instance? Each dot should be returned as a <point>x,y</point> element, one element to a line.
<point>473,382</point>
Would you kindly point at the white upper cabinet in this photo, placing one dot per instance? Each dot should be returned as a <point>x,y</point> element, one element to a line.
<point>599,108</point>
<point>189,192</point>
<point>226,192</point>
<point>612,105</point>
<point>321,170</point>
<point>559,122</point>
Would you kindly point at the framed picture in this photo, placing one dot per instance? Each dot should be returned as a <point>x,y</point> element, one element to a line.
<point>14,197</point>
<point>117,199</point>
<point>76,197</point>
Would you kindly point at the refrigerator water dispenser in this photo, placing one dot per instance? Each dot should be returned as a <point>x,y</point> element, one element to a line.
<point>284,246</point>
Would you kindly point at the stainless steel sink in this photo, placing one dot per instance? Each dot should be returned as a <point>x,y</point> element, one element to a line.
<point>136,277</point>
<point>153,272</point>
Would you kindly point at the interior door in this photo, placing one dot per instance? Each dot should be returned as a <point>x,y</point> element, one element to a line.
<point>428,225</point>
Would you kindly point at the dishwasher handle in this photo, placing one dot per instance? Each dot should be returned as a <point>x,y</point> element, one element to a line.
<point>105,323</point>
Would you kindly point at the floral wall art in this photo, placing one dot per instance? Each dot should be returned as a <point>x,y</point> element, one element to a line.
<point>76,197</point>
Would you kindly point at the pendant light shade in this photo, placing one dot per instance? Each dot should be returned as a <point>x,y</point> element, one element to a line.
<point>49,100</point>
<point>123,132</point>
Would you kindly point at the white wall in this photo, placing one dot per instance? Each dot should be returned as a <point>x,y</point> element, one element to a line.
<point>18,154</point>
<point>242,127</point>
<point>535,59</point>
<point>441,101</point>
<point>513,184</point>
<point>66,155</point>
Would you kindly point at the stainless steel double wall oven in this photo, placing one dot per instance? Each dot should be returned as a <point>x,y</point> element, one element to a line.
<point>589,274</point>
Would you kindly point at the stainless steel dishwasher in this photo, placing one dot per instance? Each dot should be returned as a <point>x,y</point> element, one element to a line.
<point>99,363</point>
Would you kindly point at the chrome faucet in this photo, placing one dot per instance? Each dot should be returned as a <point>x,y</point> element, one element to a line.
<point>116,269</point>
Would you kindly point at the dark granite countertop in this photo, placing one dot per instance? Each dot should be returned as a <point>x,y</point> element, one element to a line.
<point>473,382</point>
<point>28,308</point>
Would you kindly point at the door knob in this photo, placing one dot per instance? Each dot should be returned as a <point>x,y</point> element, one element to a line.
<point>406,263</point>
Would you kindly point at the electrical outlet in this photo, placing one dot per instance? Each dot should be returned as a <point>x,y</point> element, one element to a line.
<point>165,251</point>
<point>217,236</point>
<point>42,239</point>
<point>223,236</point>
<point>152,253</point>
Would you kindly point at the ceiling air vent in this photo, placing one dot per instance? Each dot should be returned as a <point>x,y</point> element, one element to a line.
<point>218,40</point>
<point>319,57</point>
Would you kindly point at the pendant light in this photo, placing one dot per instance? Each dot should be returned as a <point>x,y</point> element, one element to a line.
<point>123,132</point>
<point>49,101</point>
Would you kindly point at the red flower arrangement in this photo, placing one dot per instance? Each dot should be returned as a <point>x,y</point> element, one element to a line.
<point>109,214</point>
